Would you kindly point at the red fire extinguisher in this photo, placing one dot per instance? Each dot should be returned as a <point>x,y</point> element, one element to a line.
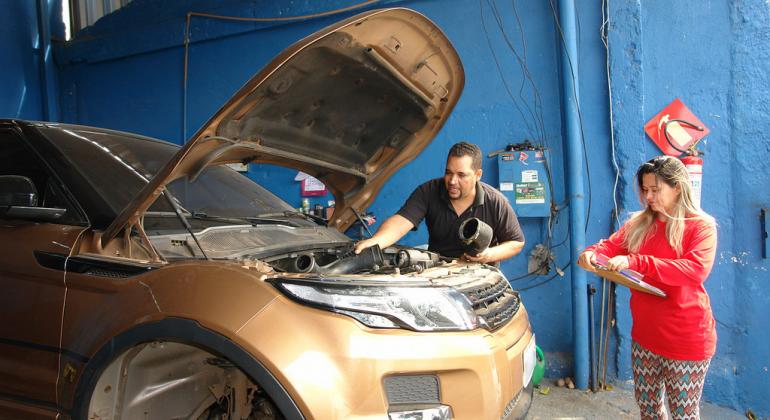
<point>694,164</point>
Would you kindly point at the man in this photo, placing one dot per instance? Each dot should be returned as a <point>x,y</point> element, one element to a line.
<point>446,202</point>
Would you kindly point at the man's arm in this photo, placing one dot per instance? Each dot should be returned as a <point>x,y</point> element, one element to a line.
<point>393,229</point>
<point>497,253</point>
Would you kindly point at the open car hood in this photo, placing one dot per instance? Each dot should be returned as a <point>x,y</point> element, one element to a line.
<point>349,105</point>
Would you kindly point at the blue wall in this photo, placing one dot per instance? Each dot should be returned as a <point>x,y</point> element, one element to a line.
<point>125,73</point>
<point>27,69</point>
<point>715,58</point>
<point>20,70</point>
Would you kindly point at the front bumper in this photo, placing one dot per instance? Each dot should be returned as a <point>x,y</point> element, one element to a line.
<point>334,367</point>
<point>518,407</point>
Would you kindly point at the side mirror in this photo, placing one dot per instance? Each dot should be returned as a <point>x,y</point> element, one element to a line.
<point>18,200</point>
<point>16,190</point>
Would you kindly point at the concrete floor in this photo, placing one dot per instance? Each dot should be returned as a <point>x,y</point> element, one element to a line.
<point>619,403</point>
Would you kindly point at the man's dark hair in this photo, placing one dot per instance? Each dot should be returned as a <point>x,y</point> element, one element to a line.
<point>467,149</point>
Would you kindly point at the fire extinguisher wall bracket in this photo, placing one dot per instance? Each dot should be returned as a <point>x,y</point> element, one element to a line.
<point>675,129</point>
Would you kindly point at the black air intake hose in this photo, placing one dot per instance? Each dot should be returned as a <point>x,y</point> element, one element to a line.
<point>416,259</point>
<point>369,259</point>
<point>304,263</point>
<point>475,235</point>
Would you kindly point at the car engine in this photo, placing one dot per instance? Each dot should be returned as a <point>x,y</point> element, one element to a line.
<point>372,260</point>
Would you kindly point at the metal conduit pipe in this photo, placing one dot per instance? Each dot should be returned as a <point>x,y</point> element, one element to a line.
<point>48,93</point>
<point>570,96</point>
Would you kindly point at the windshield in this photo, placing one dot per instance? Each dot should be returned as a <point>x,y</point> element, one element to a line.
<point>118,165</point>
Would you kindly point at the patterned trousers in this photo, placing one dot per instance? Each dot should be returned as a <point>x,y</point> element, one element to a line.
<point>656,377</point>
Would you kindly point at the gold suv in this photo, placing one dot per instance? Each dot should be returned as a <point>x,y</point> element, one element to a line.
<point>144,280</point>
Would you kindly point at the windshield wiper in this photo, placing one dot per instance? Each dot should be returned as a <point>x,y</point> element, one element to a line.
<point>239,220</point>
<point>232,220</point>
<point>294,213</point>
<point>251,221</point>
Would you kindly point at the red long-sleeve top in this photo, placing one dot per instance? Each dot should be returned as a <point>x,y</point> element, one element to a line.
<point>679,326</point>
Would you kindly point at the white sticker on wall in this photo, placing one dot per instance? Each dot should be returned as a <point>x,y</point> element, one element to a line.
<point>529,175</point>
<point>506,186</point>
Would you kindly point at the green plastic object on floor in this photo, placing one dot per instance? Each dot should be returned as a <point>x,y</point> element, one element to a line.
<point>539,371</point>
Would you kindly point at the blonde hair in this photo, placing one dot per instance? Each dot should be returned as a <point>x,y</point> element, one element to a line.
<point>671,171</point>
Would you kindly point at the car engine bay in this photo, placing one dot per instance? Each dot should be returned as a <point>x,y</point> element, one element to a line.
<point>342,260</point>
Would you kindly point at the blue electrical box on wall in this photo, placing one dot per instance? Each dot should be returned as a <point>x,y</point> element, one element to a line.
<point>524,180</point>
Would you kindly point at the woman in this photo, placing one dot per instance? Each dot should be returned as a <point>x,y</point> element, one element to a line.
<point>672,243</point>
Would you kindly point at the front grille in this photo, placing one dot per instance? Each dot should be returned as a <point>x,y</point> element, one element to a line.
<point>494,302</point>
<point>412,389</point>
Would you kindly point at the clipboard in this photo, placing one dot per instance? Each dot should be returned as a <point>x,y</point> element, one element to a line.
<point>626,277</point>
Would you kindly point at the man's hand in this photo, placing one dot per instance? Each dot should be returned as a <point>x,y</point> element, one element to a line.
<point>587,260</point>
<point>499,252</point>
<point>391,231</point>
<point>482,257</point>
<point>618,263</point>
<point>366,243</point>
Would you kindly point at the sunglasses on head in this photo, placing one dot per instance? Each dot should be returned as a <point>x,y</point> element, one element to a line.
<point>654,164</point>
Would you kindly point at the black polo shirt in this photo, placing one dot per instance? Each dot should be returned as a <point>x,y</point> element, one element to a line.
<point>430,201</point>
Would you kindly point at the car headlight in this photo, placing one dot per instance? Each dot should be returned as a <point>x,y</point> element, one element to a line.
<point>417,308</point>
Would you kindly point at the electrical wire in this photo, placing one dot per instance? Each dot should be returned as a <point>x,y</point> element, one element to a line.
<point>523,276</point>
<point>63,313</point>
<point>538,99</point>
<point>536,114</point>
<point>604,37</point>
<point>604,30</point>
<point>580,113</point>
<point>553,211</point>
<point>538,134</point>
<point>190,15</point>
<point>526,121</point>
<point>561,243</point>
<point>525,72</point>
<point>546,280</point>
